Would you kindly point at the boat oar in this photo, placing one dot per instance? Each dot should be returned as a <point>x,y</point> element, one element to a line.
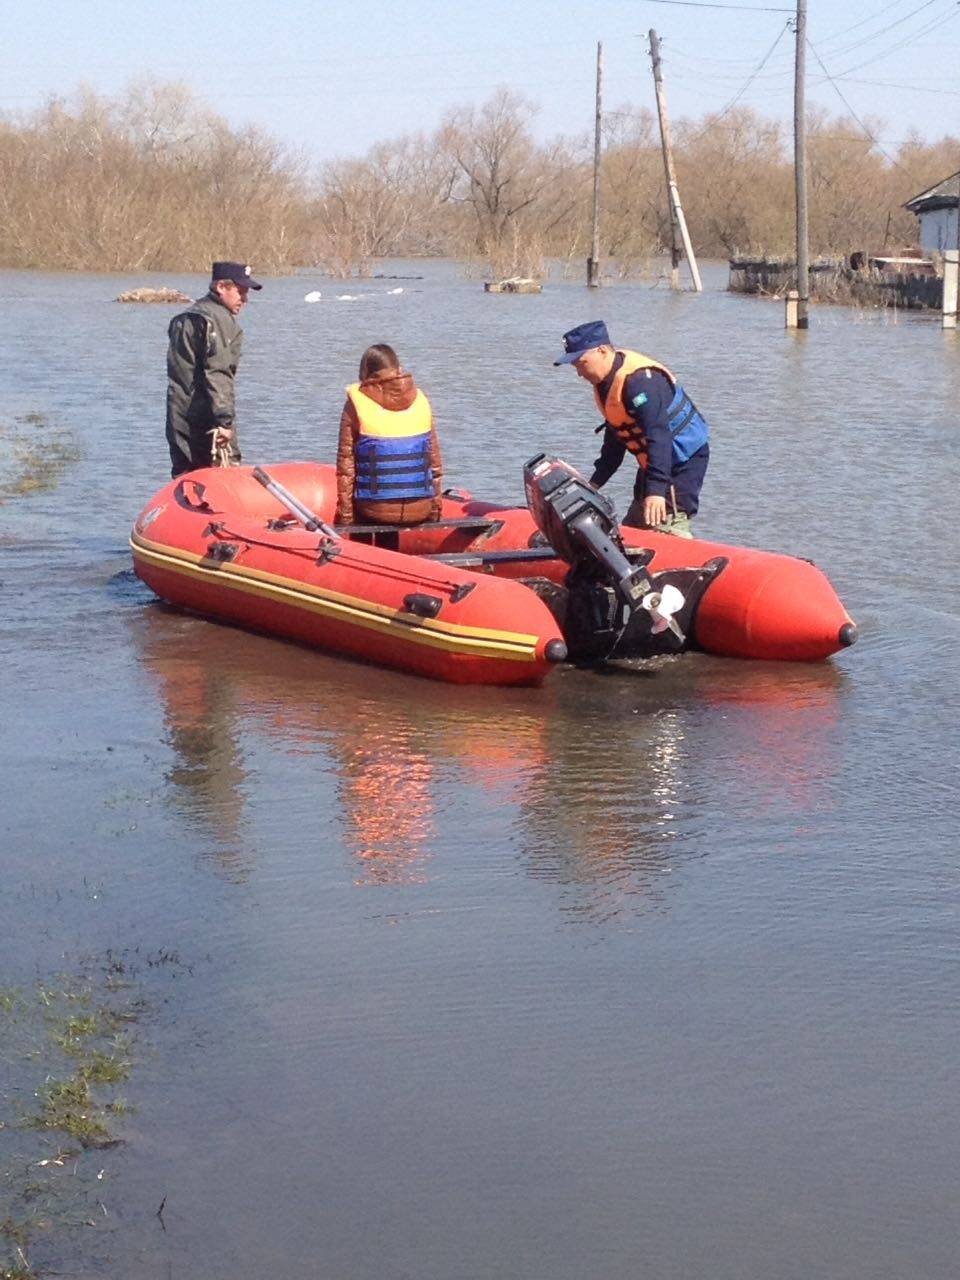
<point>311,522</point>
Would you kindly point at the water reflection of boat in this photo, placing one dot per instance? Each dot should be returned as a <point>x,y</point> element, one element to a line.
<point>391,791</point>
<point>487,595</point>
<point>781,733</point>
<point>703,759</point>
<point>389,776</point>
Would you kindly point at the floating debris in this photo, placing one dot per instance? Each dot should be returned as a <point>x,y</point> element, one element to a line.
<point>515,284</point>
<point>163,294</point>
<point>313,296</point>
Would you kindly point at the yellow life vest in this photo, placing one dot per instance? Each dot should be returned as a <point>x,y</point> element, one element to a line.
<point>374,420</point>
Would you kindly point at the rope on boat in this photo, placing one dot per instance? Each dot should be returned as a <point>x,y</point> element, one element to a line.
<point>223,532</point>
<point>220,455</point>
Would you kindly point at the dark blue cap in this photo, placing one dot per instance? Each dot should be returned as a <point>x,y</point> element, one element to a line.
<point>238,272</point>
<point>583,338</point>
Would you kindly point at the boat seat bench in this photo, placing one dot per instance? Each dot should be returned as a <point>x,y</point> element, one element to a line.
<point>478,523</point>
<point>471,559</point>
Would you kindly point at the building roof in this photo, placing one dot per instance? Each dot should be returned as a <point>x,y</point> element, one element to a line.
<point>945,195</point>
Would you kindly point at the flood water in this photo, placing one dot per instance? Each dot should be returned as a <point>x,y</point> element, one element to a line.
<point>644,973</point>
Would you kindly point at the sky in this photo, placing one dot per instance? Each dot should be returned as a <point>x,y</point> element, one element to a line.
<point>332,78</point>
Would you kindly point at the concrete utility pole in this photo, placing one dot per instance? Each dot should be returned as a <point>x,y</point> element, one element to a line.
<point>951,269</point>
<point>678,222</point>
<point>800,170</point>
<point>593,262</point>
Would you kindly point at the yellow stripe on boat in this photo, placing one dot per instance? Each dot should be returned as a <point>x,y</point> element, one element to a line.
<point>450,636</point>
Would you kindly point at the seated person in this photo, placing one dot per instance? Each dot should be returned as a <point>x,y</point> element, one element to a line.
<point>389,468</point>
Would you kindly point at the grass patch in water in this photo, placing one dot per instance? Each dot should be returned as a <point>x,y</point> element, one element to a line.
<point>76,1033</point>
<point>68,1033</point>
<point>104,1068</point>
<point>34,453</point>
<point>68,1043</point>
<point>69,1107</point>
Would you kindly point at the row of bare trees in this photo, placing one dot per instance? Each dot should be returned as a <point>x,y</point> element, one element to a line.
<point>155,181</point>
<point>151,182</point>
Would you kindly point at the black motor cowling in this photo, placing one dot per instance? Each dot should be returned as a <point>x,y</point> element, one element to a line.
<point>581,525</point>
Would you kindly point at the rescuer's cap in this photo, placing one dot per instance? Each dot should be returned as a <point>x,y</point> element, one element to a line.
<point>238,272</point>
<point>583,339</point>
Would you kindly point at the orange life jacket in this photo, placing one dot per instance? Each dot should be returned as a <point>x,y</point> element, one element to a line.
<point>614,410</point>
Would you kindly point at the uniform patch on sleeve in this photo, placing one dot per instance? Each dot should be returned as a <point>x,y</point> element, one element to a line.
<point>639,400</point>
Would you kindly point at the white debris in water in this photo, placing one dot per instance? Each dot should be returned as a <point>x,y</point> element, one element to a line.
<point>313,296</point>
<point>400,290</point>
<point>346,297</point>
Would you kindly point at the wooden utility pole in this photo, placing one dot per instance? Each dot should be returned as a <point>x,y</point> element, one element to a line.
<point>800,167</point>
<point>678,223</point>
<point>593,262</point>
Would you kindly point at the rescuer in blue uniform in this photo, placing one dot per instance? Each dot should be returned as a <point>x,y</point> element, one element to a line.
<point>647,413</point>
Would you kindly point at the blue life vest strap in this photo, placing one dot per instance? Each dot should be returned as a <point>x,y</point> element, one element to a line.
<point>393,468</point>
<point>688,428</point>
<point>681,411</point>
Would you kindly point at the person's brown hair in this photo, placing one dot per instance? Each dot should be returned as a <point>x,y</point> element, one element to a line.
<point>378,359</point>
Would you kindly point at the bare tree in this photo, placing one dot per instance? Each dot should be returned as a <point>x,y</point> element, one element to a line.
<point>368,208</point>
<point>735,175</point>
<point>495,169</point>
<point>155,180</point>
<point>636,219</point>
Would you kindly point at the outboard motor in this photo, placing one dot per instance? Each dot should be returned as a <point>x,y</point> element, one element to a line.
<point>609,605</point>
<point>581,525</point>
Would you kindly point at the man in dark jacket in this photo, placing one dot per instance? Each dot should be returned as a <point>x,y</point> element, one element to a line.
<point>647,413</point>
<point>202,359</point>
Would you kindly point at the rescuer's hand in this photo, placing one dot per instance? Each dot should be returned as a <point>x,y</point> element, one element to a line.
<point>654,510</point>
<point>222,435</point>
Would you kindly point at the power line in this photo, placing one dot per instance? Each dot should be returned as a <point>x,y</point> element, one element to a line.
<point>842,52</point>
<point>862,23</point>
<point>702,4</point>
<point>750,79</point>
<point>902,44</point>
<point>914,88</point>
<point>700,58</point>
<point>859,44</point>
<point>866,131</point>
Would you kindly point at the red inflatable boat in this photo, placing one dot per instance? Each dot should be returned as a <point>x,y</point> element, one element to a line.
<point>487,595</point>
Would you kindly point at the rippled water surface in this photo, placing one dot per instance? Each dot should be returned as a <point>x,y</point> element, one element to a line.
<point>645,973</point>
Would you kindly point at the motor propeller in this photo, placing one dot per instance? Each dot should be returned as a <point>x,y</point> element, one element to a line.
<point>662,605</point>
